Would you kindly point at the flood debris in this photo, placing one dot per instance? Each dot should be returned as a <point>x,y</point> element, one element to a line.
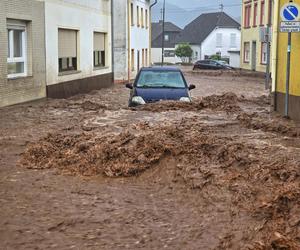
<point>227,102</point>
<point>216,179</point>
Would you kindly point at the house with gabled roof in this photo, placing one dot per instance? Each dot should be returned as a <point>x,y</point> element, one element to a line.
<point>211,34</point>
<point>170,35</point>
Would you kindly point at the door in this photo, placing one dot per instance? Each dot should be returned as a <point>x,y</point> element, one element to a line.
<point>138,61</point>
<point>253,57</point>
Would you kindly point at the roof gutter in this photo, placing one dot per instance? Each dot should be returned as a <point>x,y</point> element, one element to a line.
<point>155,2</point>
<point>150,31</point>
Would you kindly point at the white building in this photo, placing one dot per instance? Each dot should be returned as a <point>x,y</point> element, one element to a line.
<point>131,37</point>
<point>212,34</point>
<point>78,46</point>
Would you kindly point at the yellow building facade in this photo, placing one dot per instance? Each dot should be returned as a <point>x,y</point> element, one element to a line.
<point>280,47</point>
<point>255,15</point>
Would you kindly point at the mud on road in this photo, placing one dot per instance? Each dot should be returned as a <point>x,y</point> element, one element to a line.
<point>220,173</point>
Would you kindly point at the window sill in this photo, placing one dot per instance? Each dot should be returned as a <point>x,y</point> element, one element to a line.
<point>247,62</point>
<point>100,68</point>
<point>65,73</point>
<point>11,78</point>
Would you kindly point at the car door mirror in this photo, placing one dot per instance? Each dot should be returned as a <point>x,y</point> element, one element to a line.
<point>192,86</point>
<point>129,85</point>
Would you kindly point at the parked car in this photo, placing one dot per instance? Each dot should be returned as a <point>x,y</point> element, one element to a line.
<point>212,65</point>
<point>154,84</point>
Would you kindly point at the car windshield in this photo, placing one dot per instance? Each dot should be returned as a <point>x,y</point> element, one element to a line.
<point>160,79</point>
<point>223,62</point>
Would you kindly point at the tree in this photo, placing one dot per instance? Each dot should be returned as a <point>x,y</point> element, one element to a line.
<point>184,51</point>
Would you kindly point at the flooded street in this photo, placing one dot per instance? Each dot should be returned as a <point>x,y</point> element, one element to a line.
<point>90,173</point>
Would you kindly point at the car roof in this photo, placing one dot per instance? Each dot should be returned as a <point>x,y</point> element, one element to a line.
<point>161,68</point>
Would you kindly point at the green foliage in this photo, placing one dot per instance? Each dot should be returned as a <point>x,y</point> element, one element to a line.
<point>184,51</point>
<point>215,57</point>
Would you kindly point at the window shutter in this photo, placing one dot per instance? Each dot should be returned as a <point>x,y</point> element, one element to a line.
<point>67,43</point>
<point>99,41</point>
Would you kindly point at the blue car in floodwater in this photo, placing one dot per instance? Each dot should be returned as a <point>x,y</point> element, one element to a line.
<point>155,84</point>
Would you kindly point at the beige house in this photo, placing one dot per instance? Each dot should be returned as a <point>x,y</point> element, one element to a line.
<point>22,52</point>
<point>255,16</point>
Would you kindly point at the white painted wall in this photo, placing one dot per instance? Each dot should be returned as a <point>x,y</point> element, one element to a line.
<point>86,16</point>
<point>235,60</point>
<point>139,36</point>
<point>209,45</point>
<point>156,56</point>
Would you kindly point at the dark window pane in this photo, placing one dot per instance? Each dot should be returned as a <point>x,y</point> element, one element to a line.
<point>102,58</point>
<point>67,64</point>
<point>15,68</point>
<point>17,43</point>
<point>8,44</point>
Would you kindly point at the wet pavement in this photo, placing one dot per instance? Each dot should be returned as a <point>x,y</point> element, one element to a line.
<point>90,173</point>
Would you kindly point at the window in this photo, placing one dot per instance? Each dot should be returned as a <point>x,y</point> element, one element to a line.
<point>166,37</point>
<point>143,57</point>
<point>233,41</point>
<point>132,60</point>
<point>246,52</point>
<point>169,53</point>
<point>99,49</point>
<point>67,50</point>
<point>262,13</point>
<point>247,16</point>
<point>196,54</point>
<point>146,57</point>
<point>132,14</point>
<point>146,18</point>
<point>255,15</point>
<point>16,56</point>
<point>219,40</point>
<point>142,17</point>
<point>138,15</point>
<point>264,53</point>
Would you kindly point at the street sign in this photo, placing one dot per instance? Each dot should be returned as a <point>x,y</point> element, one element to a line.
<point>290,18</point>
<point>290,12</point>
<point>290,26</point>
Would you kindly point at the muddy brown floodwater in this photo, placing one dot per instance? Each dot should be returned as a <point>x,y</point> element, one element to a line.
<point>90,173</point>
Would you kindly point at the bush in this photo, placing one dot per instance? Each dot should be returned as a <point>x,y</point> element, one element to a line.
<point>184,51</point>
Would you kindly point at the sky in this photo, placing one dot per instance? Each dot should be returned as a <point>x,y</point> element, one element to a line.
<point>181,12</point>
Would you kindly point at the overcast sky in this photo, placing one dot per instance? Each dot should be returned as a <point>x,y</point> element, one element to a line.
<point>182,12</point>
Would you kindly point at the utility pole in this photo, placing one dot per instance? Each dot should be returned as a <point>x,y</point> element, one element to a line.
<point>163,35</point>
<point>269,30</point>
<point>288,74</point>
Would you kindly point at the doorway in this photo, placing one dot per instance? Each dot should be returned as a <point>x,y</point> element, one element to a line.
<point>253,57</point>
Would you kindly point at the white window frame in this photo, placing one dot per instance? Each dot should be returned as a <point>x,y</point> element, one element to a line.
<point>11,58</point>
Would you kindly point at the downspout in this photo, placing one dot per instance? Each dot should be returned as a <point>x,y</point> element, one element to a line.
<point>274,53</point>
<point>129,33</point>
<point>112,40</point>
<point>150,30</point>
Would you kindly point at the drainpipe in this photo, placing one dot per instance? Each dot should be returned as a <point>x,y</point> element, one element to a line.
<point>128,40</point>
<point>269,28</point>
<point>150,30</point>
<point>112,39</point>
<point>274,53</point>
